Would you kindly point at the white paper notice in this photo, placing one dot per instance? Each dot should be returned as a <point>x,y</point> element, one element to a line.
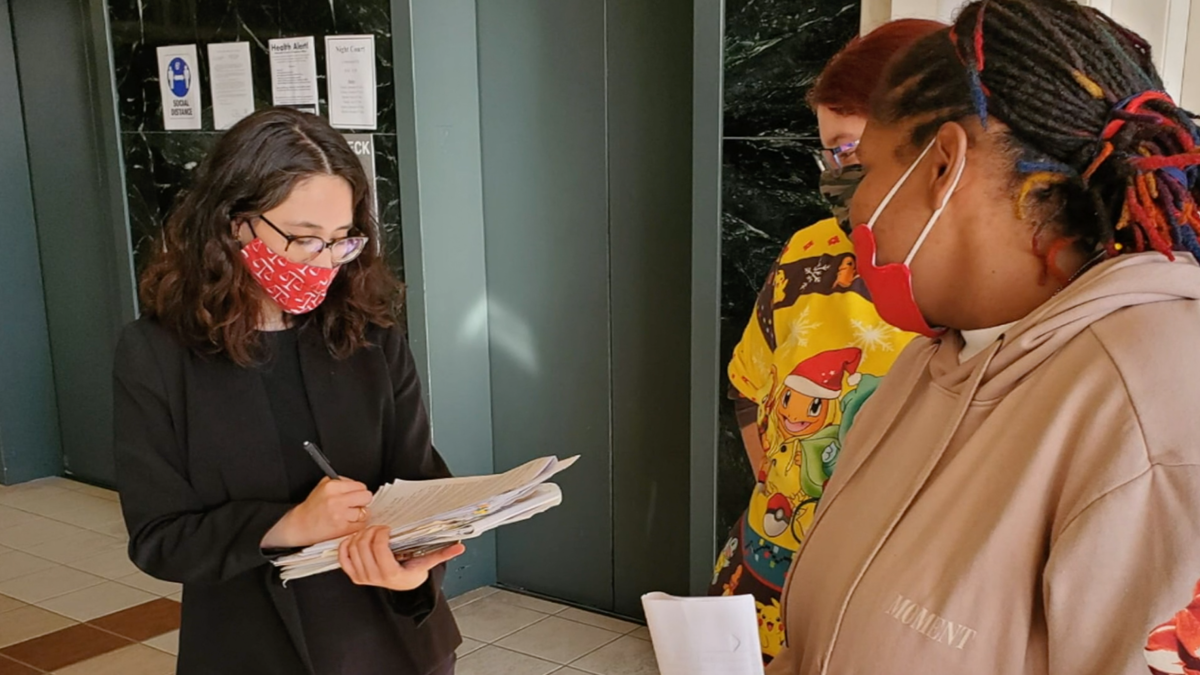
<point>350,69</point>
<point>232,82</point>
<point>179,82</point>
<point>704,636</point>
<point>294,73</point>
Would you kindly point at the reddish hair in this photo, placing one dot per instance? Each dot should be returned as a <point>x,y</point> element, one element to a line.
<point>846,84</point>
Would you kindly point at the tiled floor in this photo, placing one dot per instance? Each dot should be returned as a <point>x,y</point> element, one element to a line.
<point>71,603</point>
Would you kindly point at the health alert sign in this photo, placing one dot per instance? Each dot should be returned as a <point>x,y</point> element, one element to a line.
<point>179,81</point>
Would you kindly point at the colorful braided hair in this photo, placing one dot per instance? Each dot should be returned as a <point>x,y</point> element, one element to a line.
<point>1104,153</point>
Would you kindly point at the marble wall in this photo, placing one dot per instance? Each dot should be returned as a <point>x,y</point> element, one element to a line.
<point>158,163</point>
<point>774,49</point>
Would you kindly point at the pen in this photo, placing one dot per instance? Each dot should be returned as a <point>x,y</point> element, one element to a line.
<point>318,457</point>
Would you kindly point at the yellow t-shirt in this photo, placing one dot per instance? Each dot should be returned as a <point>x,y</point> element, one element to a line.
<point>812,353</point>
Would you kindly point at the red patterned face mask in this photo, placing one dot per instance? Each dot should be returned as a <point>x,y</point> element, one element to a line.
<point>297,288</point>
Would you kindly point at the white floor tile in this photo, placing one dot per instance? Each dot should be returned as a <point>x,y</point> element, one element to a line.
<point>112,564</point>
<point>558,640</point>
<point>96,601</point>
<point>51,583</point>
<point>16,564</point>
<point>84,488</point>
<point>168,642</point>
<point>75,548</point>
<point>145,582</point>
<point>496,661</point>
<point>469,646</point>
<point>490,619</point>
<point>627,656</point>
<point>471,596</point>
<point>599,621</point>
<point>38,530</point>
<point>527,602</point>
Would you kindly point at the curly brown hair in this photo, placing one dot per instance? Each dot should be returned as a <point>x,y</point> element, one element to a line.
<point>196,284</point>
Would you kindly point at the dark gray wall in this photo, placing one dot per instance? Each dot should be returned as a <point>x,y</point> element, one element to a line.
<point>29,441</point>
<point>545,188</point>
<point>650,155</point>
<point>66,94</point>
<point>585,117</point>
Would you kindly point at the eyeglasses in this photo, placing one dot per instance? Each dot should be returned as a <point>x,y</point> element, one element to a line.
<point>306,249</point>
<point>832,159</point>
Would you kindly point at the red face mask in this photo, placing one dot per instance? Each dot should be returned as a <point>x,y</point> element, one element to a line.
<point>297,288</point>
<point>891,285</point>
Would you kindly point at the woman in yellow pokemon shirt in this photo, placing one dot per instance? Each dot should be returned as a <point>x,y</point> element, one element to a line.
<point>814,350</point>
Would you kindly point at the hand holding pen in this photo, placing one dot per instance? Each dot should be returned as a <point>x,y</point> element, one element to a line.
<point>336,507</point>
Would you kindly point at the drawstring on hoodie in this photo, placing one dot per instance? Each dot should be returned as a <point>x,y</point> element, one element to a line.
<point>964,405</point>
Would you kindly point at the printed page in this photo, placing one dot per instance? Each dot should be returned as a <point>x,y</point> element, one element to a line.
<point>415,501</point>
<point>704,636</point>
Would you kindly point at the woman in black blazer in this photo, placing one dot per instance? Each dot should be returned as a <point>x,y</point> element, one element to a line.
<point>269,320</point>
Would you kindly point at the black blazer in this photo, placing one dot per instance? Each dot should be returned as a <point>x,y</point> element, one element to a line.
<point>202,479</point>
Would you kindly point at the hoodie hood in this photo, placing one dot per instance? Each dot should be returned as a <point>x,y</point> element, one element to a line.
<point>1126,281</point>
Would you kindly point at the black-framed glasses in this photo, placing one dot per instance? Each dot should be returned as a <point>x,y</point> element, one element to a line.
<point>832,159</point>
<point>305,249</point>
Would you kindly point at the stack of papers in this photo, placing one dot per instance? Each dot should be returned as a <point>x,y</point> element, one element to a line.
<point>704,636</point>
<point>425,516</point>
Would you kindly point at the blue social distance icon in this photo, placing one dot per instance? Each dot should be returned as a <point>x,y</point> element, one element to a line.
<point>180,76</point>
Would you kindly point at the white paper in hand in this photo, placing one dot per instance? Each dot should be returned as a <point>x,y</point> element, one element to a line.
<point>702,636</point>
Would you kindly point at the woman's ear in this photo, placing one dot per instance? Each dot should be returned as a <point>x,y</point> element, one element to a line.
<point>949,162</point>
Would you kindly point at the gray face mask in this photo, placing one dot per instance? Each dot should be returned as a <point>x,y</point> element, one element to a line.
<point>837,187</point>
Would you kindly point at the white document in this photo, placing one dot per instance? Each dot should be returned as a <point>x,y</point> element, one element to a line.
<point>179,82</point>
<point>294,73</point>
<point>704,636</point>
<point>430,514</point>
<point>350,74</point>
<point>232,82</point>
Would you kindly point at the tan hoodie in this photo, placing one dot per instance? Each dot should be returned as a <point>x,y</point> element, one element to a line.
<point>1033,510</point>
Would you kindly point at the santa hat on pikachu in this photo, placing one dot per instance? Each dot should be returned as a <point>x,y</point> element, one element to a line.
<point>821,376</point>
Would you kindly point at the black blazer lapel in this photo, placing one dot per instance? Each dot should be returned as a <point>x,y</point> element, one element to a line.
<point>231,418</point>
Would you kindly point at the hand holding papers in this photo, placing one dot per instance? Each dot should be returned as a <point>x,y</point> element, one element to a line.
<point>433,514</point>
<point>702,636</point>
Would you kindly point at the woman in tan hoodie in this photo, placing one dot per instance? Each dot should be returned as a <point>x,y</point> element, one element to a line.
<point>1022,495</point>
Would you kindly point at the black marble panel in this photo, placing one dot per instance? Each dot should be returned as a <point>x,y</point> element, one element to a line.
<point>769,192</point>
<point>158,165</point>
<point>140,26</point>
<point>387,189</point>
<point>774,50</point>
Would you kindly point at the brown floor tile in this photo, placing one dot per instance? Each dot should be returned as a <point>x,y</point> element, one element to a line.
<point>132,660</point>
<point>144,621</point>
<point>65,647</point>
<point>10,667</point>
<point>27,623</point>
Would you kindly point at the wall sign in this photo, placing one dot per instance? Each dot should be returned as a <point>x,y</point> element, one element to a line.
<point>179,82</point>
<point>232,82</point>
<point>294,73</point>
<point>350,73</point>
<point>363,146</point>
